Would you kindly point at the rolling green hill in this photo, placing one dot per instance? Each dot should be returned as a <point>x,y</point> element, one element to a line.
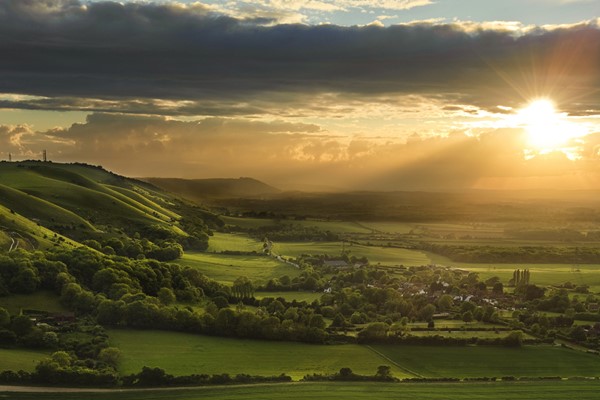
<point>43,201</point>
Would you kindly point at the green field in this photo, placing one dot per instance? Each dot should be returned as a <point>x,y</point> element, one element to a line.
<point>234,242</point>
<point>184,354</point>
<point>227,268</point>
<point>477,361</point>
<point>20,359</point>
<point>340,227</point>
<point>375,254</point>
<point>247,223</point>
<point>580,390</point>
<point>541,274</point>
<point>42,301</point>
<point>309,297</point>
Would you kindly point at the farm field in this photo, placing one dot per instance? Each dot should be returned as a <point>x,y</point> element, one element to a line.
<point>233,242</point>
<point>247,223</point>
<point>440,229</point>
<point>42,301</point>
<point>541,274</point>
<point>492,361</point>
<point>309,297</point>
<point>184,354</point>
<point>227,268</point>
<point>20,359</point>
<point>332,226</point>
<point>552,390</point>
<point>375,255</point>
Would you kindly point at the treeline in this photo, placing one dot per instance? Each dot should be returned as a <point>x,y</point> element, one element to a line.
<point>383,374</point>
<point>284,232</point>
<point>157,377</point>
<point>60,370</point>
<point>521,254</point>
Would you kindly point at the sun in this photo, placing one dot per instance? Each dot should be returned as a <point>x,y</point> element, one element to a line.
<point>546,129</point>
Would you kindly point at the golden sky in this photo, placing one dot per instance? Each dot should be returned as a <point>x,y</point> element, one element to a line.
<point>198,90</point>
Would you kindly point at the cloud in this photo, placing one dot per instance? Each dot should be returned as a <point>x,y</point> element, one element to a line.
<point>152,58</point>
<point>290,154</point>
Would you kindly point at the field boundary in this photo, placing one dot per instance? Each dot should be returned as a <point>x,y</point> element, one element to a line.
<point>408,371</point>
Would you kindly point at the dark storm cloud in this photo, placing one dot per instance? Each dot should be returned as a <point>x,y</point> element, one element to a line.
<point>123,52</point>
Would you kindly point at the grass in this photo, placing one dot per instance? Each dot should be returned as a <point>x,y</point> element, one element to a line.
<point>43,301</point>
<point>477,361</point>
<point>247,223</point>
<point>233,242</point>
<point>20,359</point>
<point>227,268</point>
<point>309,297</point>
<point>182,354</point>
<point>341,227</point>
<point>375,254</point>
<point>580,390</point>
<point>65,194</point>
<point>541,274</point>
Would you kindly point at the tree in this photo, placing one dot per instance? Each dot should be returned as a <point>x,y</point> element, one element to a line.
<point>374,331</point>
<point>339,321</point>
<point>110,356</point>
<point>21,325</point>
<point>514,339</point>
<point>25,281</point>
<point>345,372</point>
<point>4,317</point>
<point>445,302</point>
<point>467,316</point>
<point>166,296</point>
<point>426,313</point>
<point>243,288</point>
<point>498,288</point>
<point>384,372</point>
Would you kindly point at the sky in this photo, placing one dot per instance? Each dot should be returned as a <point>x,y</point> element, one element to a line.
<point>313,94</point>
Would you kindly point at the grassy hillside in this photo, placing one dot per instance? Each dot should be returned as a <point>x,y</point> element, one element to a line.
<point>79,201</point>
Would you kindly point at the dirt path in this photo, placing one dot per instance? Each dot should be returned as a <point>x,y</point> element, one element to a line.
<point>14,244</point>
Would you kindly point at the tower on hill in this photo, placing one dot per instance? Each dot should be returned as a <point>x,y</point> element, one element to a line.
<point>44,156</point>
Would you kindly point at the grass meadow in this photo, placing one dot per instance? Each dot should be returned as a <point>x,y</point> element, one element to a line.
<point>551,390</point>
<point>20,359</point>
<point>375,255</point>
<point>233,242</point>
<point>227,268</point>
<point>183,354</point>
<point>492,361</point>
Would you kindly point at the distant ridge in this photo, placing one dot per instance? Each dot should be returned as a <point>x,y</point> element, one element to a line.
<point>202,189</point>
